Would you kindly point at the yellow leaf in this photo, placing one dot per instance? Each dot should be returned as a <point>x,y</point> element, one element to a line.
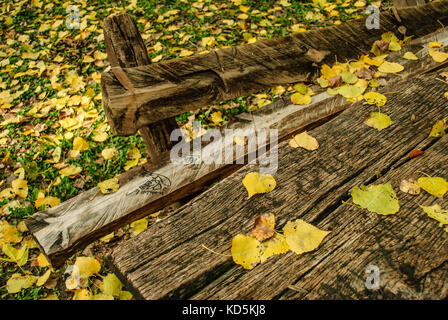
<point>98,55</point>
<point>380,198</point>
<point>301,88</point>
<point>375,98</point>
<point>42,279</point>
<point>87,59</point>
<point>298,98</point>
<point>82,294</point>
<point>208,41</point>
<point>275,245</point>
<point>394,46</point>
<point>438,56</point>
<point>437,213</point>
<point>10,233</point>
<point>278,90</point>
<point>390,67</point>
<point>258,183</point>
<point>435,44</point>
<point>18,282</point>
<point>436,186</point>
<point>42,261</point>
<point>111,285</point>
<point>102,296</point>
<point>125,295</point>
<point>350,91</point>
<point>245,251</point>
<point>109,153</point>
<point>20,257</point>
<point>303,237</point>
<point>139,226</point>
<point>80,144</point>
<point>378,120</point>
<point>107,237</point>
<point>22,226</point>
<point>20,187</point>
<point>410,56</point>
<point>7,193</point>
<point>87,266</point>
<point>304,140</point>
<point>377,61</point>
<point>109,186</point>
<point>348,77</point>
<point>157,58</point>
<point>30,55</point>
<point>185,53</point>
<point>327,72</point>
<point>71,171</point>
<point>52,296</point>
<point>438,130</point>
<point>216,117</point>
<point>47,202</point>
<point>99,136</point>
<point>243,16</point>
<point>130,164</point>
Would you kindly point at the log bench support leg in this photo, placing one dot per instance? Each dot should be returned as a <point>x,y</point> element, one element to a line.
<point>126,49</point>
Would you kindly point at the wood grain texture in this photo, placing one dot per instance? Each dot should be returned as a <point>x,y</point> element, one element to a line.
<point>126,49</point>
<point>62,230</point>
<point>168,262</point>
<point>175,86</point>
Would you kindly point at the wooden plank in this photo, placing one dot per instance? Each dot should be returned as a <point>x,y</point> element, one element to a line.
<point>62,230</point>
<point>409,249</point>
<point>167,260</point>
<point>125,48</point>
<point>169,88</point>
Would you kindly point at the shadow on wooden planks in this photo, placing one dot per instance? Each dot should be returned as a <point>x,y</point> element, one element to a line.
<point>410,249</point>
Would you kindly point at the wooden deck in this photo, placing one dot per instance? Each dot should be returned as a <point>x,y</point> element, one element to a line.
<point>410,249</point>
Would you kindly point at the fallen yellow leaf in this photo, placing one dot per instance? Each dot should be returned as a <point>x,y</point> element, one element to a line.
<point>378,120</point>
<point>303,237</point>
<point>245,251</point>
<point>258,183</point>
<point>437,186</point>
<point>109,186</point>
<point>304,140</point>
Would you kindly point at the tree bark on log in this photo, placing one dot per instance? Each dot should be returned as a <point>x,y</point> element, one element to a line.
<point>126,49</point>
<point>172,87</point>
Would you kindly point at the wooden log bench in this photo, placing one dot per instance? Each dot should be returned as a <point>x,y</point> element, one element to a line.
<point>72,225</point>
<point>167,261</point>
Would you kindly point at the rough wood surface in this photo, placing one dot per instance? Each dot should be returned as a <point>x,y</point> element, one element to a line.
<point>125,48</point>
<point>167,260</point>
<point>171,87</point>
<point>61,230</point>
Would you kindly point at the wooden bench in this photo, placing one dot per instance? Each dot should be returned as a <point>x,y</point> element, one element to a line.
<point>72,225</point>
<point>167,261</point>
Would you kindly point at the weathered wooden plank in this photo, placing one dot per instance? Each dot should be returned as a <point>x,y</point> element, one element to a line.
<point>167,261</point>
<point>77,222</point>
<point>125,48</point>
<point>409,249</point>
<point>169,88</point>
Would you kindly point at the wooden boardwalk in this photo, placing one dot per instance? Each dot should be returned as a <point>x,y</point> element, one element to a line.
<point>167,261</point>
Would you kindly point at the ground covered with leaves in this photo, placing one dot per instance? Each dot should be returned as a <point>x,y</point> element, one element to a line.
<point>55,141</point>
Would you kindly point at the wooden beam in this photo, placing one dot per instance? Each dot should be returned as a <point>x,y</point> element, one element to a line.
<point>62,230</point>
<point>125,48</point>
<point>171,87</point>
<point>167,261</point>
